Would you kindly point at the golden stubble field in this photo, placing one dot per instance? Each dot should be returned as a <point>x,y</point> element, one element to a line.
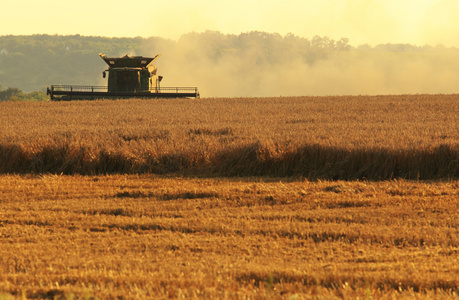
<point>134,237</point>
<point>110,199</point>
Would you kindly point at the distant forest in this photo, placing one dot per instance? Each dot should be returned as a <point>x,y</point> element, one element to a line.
<point>34,62</point>
<point>247,64</point>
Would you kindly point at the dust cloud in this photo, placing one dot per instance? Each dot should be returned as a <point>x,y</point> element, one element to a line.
<point>258,64</point>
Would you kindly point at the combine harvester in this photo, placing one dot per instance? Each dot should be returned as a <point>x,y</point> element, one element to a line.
<point>128,77</point>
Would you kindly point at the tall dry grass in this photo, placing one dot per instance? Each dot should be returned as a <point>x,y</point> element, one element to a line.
<point>347,137</point>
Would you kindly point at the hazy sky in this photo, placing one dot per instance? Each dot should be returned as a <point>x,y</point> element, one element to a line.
<point>416,22</point>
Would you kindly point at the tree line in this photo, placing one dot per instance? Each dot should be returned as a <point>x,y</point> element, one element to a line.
<point>15,94</point>
<point>31,63</point>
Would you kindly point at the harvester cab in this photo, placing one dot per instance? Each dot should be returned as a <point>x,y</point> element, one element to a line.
<point>131,74</point>
<point>128,77</point>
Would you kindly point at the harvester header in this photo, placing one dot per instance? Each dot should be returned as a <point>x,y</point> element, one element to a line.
<point>128,77</point>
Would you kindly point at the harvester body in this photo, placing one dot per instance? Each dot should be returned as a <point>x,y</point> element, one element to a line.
<point>131,74</point>
<point>128,77</point>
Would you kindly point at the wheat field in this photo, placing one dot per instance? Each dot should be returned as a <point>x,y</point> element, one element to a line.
<point>350,197</point>
<point>360,137</point>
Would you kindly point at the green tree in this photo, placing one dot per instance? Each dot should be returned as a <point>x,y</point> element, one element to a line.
<point>10,93</point>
